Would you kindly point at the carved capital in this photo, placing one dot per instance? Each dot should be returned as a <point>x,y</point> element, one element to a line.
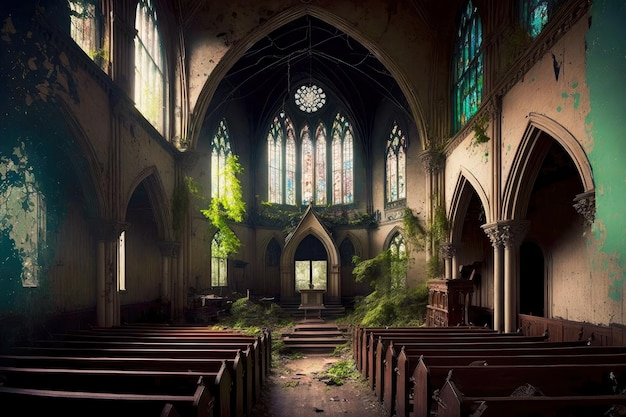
<point>507,233</point>
<point>432,161</point>
<point>585,205</point>
<point>447,250</point>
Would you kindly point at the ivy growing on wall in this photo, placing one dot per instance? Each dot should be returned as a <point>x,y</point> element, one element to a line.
<point>228,207</point>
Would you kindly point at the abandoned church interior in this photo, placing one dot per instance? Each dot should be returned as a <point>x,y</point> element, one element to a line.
<point>159,153</point>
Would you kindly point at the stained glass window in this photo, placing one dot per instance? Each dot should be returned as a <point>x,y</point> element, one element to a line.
<point>320,165</point>
<point>535,14</point>
<point>308,172</point>
<point>275,161</point>
<point>397,246</point>
<point>342,157</point>
<point>468,65</point>
<point>149,66</point>
<point>83,26</point>
<point>220,151</point>
<point>219,277</point>
<point>395,165</point>
<point>290,164</point>
<point>326,166</point>
<point>310,98</point>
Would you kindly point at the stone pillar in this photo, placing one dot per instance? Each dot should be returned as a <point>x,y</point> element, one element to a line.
<point>494,235</point>
<point>505,237</point>
<point>513,233</point>
<point>168,251</point>
<point>106,234</point>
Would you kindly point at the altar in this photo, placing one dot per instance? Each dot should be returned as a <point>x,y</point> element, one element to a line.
<point>312,299</point>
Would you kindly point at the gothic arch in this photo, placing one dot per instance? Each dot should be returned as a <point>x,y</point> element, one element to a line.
<point>91,186</point>
<point>465,186</point>
<point>158,200</point>
<point>310,224</point>
<point>280,19</point>
<point>529,159</point>
<point>391,234</point>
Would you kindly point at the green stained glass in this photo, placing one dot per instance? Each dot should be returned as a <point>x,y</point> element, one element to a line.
<point>468,71</point>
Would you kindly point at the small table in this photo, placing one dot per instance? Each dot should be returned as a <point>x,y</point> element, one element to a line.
<point>312,299</point>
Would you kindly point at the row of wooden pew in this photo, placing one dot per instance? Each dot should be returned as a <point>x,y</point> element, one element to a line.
<point>471,371</point>
<point>140,370</point>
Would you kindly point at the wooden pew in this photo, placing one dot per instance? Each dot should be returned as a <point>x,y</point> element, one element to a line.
<point>238,400</point>
<point>265,338</point>
<point>388,366</point>
<point>503,380</point>
<point>407,361</point>
<point>379,348</point>
<point>422,395</point>
<point>150,382</point>
<point>36,402</point>
<point>452,402</point>
<point>207,347</point>
<point>363,336</point>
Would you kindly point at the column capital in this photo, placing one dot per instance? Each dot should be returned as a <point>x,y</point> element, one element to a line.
<point>432,160</point>
<point>447,250</point>
<point>506,233</point>
<point>585,205</point>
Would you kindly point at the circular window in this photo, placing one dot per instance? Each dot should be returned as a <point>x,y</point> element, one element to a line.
<point>310,98</point>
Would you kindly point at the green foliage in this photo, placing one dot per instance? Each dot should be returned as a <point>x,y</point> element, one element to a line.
<point>339,372</point>
<point>251,317</point>
<point>480,130</point>
<point>438,233</point>
<point>288,217</point>
<point>227,207</point>
<point>400,308</point>
<point>413,229</point>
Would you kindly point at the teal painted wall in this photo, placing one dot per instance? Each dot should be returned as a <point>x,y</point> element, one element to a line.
<point>606,123</point>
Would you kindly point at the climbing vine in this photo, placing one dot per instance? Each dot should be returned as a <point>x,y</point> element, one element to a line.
<point>227,207</point>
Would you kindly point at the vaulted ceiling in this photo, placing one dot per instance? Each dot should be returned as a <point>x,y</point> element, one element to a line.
<point>302,51</point>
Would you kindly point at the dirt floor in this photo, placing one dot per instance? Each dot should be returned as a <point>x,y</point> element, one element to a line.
<point>298,388</point>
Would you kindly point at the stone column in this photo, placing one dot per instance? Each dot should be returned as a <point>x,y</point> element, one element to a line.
<point>506,237</point>
<point>513,233</point>
<point>494,234</point>
<point>168,251</point>
<point>106,233</point>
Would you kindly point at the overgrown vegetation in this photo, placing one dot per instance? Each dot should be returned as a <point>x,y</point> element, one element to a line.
<point>339,372</point>
<point>438,233</point>
<point>227,207</point>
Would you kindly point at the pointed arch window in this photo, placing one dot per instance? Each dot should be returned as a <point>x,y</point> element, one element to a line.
<point>397,247</point>
<point>303,165</point>
<point>150,88</point>
<point>343,161</point>
<point>395,166</point>
<point>220,151</point>
<point>468,65</point>
<point>219,270</point>
<point>84,30</point>
<point>535,14</point>
<point>320,165</point>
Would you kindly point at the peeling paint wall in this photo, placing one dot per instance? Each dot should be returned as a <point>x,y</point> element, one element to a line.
<point>606,123</point>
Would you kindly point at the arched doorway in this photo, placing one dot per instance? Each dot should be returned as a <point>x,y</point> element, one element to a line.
<point>311,265</point>
<point>532,281</point>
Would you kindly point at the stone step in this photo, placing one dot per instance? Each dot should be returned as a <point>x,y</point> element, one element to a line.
<point>314,336</point>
